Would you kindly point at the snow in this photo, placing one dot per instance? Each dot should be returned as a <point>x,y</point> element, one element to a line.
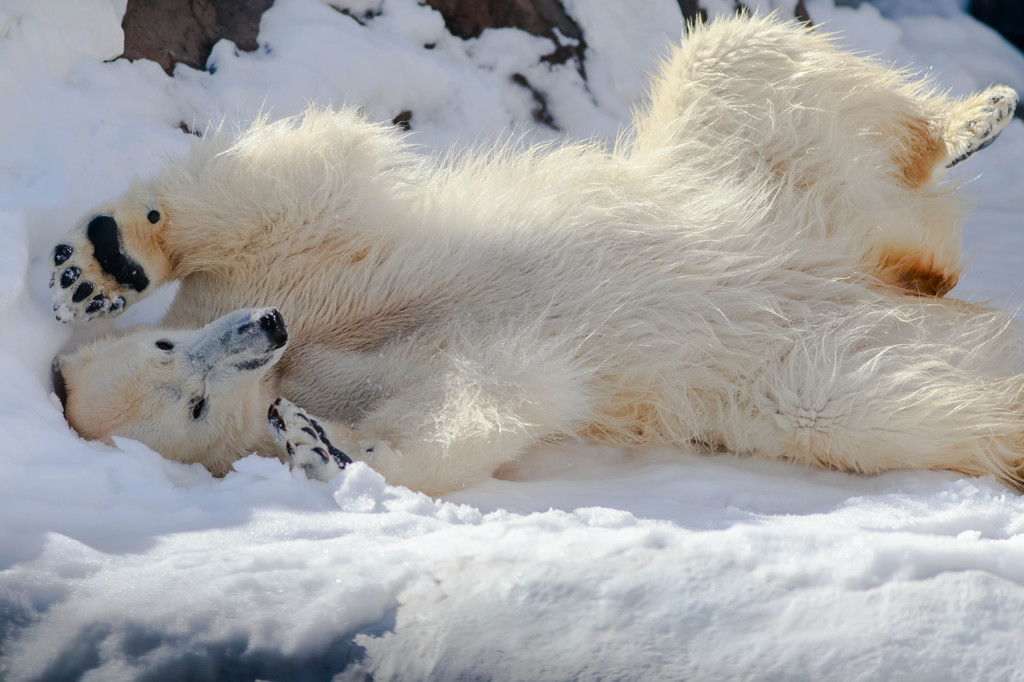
<point>582,563</point>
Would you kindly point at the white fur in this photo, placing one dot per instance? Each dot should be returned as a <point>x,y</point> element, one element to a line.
<point>729,274</point>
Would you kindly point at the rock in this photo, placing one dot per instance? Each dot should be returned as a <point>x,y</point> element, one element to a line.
<point>170,32</point>
<point>173,32</point>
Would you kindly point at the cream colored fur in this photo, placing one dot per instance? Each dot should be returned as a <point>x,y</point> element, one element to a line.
<point>754,267</point>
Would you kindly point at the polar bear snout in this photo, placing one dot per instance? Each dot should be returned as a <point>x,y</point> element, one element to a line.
<point>232,345</point>
<point>273,324</point>
<point>253,328</point>
<point>246,339</point>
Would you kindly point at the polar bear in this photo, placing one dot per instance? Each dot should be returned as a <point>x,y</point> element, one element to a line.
<point>759,266</point>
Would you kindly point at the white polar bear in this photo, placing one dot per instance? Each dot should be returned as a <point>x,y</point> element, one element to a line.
<point>757,266</point>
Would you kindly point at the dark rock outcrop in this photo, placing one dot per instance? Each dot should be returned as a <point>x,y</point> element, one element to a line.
<point>170,32</point>
<point>468,18</point>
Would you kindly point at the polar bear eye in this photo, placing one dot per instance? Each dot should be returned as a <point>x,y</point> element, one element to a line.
<point>153,217</point>
<point>198,408</point>
<point>164,345</point>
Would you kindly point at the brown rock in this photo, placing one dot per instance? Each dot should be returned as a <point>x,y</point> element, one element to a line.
<point>170,32</point>
<point>468,18</point>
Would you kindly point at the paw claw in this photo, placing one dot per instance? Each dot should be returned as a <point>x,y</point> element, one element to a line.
<point>98,302</point>
<point>274,417</point>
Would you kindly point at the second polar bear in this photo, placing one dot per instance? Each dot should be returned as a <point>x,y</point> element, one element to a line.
<point>757,266</point>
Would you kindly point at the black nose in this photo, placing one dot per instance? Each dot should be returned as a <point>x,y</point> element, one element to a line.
<point>274,325</point>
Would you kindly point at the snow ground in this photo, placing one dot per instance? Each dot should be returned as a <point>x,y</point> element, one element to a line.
<point>593,563</point>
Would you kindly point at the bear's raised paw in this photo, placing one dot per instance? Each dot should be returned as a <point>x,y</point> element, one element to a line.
<point>305,441</point>
<point>104,265</point>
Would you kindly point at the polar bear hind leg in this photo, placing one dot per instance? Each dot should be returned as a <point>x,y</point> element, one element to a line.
<point>976,122</point>
<point>839,147</point>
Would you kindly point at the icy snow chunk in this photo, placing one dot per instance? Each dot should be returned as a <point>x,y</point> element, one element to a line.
<point>262,467</point>
<point>603,517</point>
<point>361,489</point>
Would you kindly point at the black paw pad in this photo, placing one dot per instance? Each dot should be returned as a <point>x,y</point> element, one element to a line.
<point>96,303</point>
<point>117,304</point>
<point>69,277</point>
<point>83,292</point>
<point>62,253</point>
<point>106,241</point>
<point>133,276</point>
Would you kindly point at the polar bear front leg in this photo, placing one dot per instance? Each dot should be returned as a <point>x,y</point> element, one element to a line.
<point>305,441</point>
<point>112,258</point>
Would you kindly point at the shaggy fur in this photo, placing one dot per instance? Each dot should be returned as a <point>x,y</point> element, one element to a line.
<point>757,266</point>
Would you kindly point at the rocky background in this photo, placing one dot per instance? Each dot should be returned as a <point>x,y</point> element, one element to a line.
<point>171,32</point>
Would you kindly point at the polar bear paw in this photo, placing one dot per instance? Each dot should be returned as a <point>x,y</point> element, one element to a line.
<point>79,287</point>
<point>978,122</point>
<point>93,272</point>
<point>305,441</point>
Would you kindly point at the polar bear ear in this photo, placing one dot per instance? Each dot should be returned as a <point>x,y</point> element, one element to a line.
<point>59,386</point>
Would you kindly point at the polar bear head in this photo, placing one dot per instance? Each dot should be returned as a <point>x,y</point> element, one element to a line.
<point>191,395</point>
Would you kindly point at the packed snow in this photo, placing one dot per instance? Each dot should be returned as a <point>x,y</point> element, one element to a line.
<point>583,562</point>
